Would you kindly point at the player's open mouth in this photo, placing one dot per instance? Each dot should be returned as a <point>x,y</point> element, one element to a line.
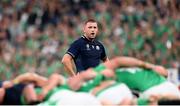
<point>92,33</point>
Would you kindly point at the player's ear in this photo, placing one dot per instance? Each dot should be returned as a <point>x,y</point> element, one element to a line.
<point>83,29</point>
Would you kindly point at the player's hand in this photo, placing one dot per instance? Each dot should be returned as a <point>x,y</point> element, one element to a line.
<point>7,84</point>
<point>161,70</point>
<point>153,99</point>
<point>108,73</point>
<point>88,74</point>
<point>74,82</point>
<point>42,95</point>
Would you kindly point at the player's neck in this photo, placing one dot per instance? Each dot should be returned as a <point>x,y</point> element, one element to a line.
<point>89,39</point>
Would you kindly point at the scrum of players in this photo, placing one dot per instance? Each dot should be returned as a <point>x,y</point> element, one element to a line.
<point>119,81</point>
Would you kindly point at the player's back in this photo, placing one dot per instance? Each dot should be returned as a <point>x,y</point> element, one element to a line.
<point>138,78</point>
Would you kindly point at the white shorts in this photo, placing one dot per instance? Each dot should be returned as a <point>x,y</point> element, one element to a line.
<point>115,94</point>
<point>80,99</point>
<point>163,89</point>
<point>70,98</point>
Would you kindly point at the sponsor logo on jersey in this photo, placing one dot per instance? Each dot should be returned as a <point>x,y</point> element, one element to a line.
<point>93,46</point>
<point>97,48</point>
<point>87,47</point>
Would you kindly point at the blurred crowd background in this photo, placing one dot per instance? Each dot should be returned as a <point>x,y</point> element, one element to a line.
<point>35,34</point>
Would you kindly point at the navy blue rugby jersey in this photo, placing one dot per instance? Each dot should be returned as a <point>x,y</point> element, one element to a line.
<point>86,53</point>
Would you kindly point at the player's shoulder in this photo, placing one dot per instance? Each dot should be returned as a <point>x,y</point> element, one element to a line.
<point>78,41</point>
<point>98,42</point>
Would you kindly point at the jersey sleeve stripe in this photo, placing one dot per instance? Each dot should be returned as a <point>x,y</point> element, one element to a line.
<point>71,54</point>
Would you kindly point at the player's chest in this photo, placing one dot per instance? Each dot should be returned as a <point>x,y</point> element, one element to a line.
<point>91,50</point>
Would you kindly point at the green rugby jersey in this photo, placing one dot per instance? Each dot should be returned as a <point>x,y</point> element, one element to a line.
<point>90,84</point>
<point>138,78</point>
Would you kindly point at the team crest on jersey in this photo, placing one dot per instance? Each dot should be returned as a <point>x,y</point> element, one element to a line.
<point>93,46</point>
<point>87,47</point>
<point>97,48</point>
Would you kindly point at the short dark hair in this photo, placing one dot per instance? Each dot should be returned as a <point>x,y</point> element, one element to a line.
<point>90,20</point>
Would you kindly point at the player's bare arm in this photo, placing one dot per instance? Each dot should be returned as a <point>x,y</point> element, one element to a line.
<point>67,61</point>
<point>133,62</point>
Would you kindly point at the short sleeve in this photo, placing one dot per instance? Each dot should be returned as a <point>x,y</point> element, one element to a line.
<point>74,49</point>
<point>103,54</point>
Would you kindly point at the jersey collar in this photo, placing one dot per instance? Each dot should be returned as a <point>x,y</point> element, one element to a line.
<point>84,37</point>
